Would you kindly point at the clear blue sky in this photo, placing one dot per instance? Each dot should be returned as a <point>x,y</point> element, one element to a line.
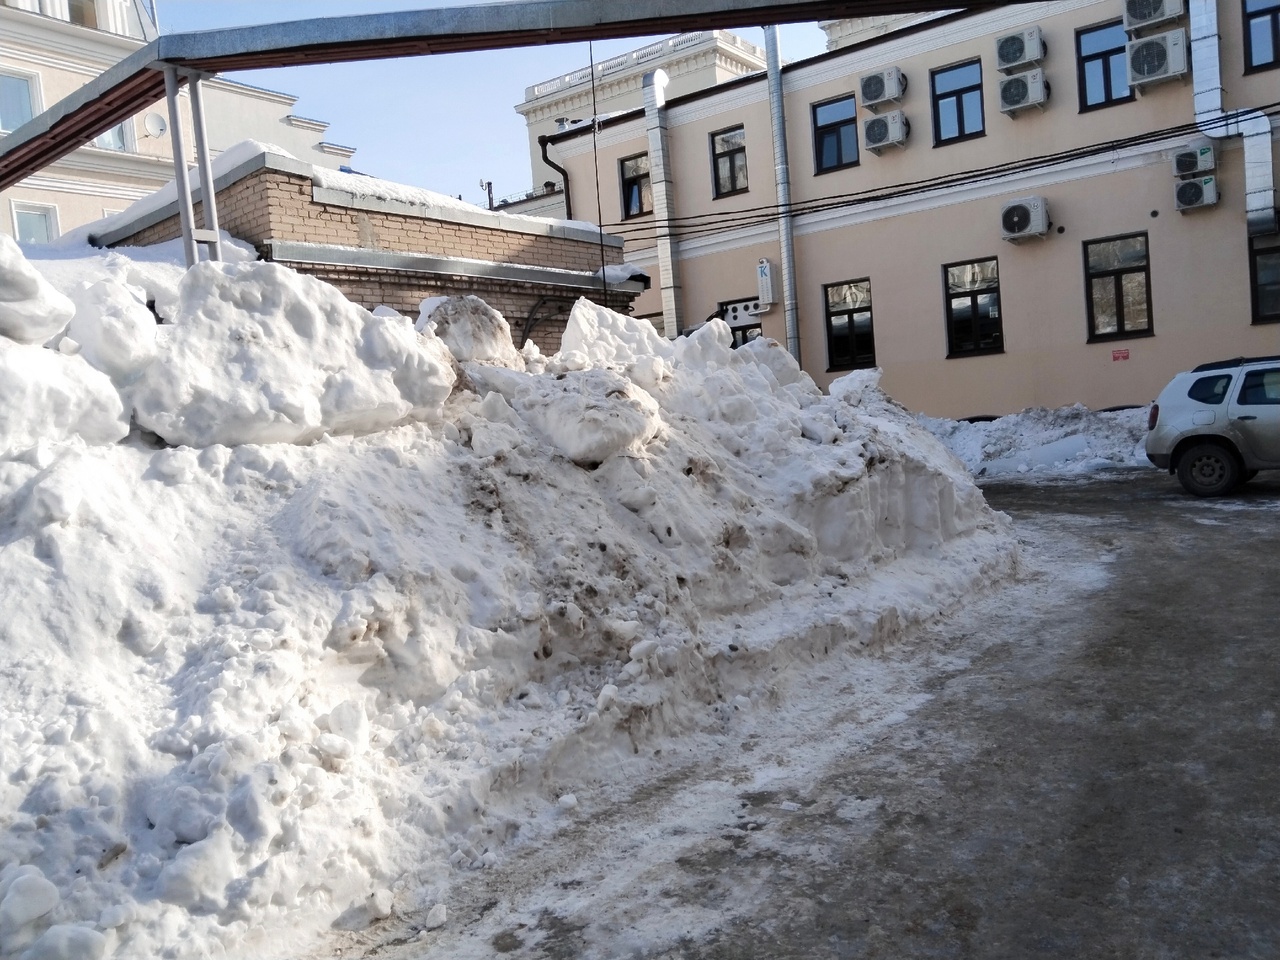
<point>441,122</point>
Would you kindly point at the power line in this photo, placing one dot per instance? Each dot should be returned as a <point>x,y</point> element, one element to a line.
<point>708,224</point>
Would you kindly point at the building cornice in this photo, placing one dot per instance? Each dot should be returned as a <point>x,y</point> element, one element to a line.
<point>51,35</point>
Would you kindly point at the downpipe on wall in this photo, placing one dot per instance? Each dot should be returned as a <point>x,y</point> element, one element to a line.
<point>777,112</point>
<point>1214,120</point>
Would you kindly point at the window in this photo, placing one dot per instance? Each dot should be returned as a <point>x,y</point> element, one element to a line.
<point>1102,67</point>
<point>83,12</point>
<point>850,339</point>
<point>15,102</point>
<point>1261,34</point>
<point>1210,390</point>
<point>113,139</point>
<point>637,190</point>
<point>729,160</point>
<point>957,103</point>
<point>973,308</point>
<point>34,223</point>
<point>1264,272</point>
<point>835,135</point>
<point>1118,287</point>
<point>1260,388</point>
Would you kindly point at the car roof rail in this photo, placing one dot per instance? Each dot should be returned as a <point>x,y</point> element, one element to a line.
<point>1228,364</point>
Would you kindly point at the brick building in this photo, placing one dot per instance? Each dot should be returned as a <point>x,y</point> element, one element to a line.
<point>384,243</point>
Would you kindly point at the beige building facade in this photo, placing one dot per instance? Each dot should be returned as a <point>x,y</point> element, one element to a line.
<point>692,61</point>
<point>1080,246</point>
<point>50,48</point>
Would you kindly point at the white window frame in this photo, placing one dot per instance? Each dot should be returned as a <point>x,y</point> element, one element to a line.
<point>34,91</point>
<point>130,139</point>
<point>25,206</point>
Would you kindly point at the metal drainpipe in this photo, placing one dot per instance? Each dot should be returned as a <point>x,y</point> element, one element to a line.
<point>1214,121</point>
<point>568,202</point>
<point>655,120</point>
<point>777,111</point>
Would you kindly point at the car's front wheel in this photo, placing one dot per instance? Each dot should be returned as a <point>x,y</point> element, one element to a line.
<point>1209,470</point>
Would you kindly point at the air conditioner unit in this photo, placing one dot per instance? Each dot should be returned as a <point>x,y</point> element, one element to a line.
<point>1155,58</point>
<point>1023,219</point>
<point>1147,13</point>
<point>1020,49</point>
<point>887,86</point>
<point>1193,194</point>
<point>890,130</point>
<point>1023,90</point>
<point>1191,161</point>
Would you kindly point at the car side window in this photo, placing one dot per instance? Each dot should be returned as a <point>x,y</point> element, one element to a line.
<point>1210,389</point>
<point>1260,388</point>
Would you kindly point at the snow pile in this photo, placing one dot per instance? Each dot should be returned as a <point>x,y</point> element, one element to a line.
<point>1038,442</point>
<point>254,691</point>
<point>261,354</point>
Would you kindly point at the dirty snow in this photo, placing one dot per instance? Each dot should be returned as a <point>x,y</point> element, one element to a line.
<point>1043,444</point>
<point>346,613</point>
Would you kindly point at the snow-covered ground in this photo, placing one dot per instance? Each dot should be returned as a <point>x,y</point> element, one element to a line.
<point>309,612</point>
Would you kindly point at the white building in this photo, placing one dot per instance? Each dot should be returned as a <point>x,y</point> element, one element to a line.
<point>50,48</point>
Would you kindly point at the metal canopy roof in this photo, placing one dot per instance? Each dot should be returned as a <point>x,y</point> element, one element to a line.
<point>137,82</point>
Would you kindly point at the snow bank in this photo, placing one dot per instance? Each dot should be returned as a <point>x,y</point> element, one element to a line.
<point>257,691</point>
<point>1046,443</point>
<point>261,354</point>
<point>31,311</point>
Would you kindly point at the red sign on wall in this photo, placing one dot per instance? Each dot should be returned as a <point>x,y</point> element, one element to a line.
<point>1119,355</point>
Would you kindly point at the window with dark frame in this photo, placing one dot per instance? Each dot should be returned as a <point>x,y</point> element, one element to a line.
<point>1118,287</point>
<point>1264,274</point>
<point>1261,34</point>
<point>729,161</point>
<point>15,101</point>
<point>851,341</point>
<point>835,135</point>
<point>1102,66</point>
<point>957,103</point>
<point>637,189</point>
<point>974,325</point>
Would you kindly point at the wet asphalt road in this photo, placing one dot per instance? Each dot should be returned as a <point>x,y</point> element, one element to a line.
<point>1090,769</point>
<point>1107,786</point>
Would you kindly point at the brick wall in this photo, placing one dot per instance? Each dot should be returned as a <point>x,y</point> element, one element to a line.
<point>402,291</point>
<point>271,205</point>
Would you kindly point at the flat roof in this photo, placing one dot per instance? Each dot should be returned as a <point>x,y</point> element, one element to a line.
<point>137,82</point>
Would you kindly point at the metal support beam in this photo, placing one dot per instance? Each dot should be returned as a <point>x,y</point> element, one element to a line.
<point>208,192</point>
<point>181,179</point>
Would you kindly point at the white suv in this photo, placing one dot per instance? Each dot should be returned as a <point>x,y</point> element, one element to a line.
<point>1216,426</point>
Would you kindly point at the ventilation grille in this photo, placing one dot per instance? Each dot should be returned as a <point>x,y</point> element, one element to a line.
<point>1012,49</point>
<point>1017,218</point>
<point>873,87</point>
<point>1149,59</point>
<point>1014,92</point>
<point>877,131</point>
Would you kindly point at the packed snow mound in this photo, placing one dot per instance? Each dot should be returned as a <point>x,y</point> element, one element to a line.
<point>1041,442</point>
<point>255,692</point>
<point>47,396</point>
<point>113,328</point>
<point>31,311</point>
<point>260,354</point>
<point>597,335</point>
<point>474,331</point>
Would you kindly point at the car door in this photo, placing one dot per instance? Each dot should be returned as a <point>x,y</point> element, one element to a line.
<point>1255,414</point>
